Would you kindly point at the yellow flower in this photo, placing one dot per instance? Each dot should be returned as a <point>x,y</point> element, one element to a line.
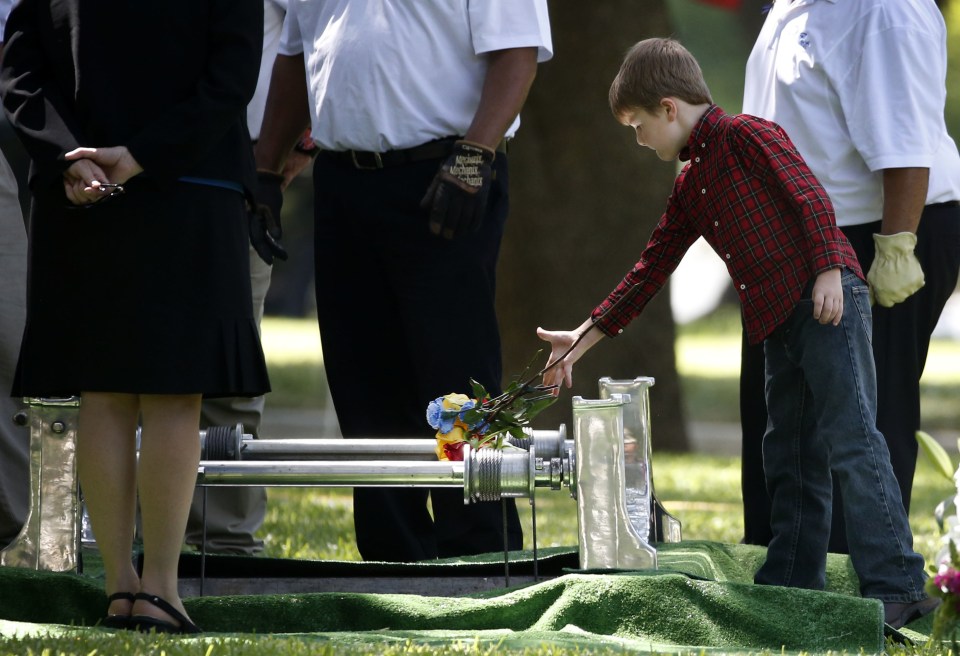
<point>455,435</point>
<point>455,401</point>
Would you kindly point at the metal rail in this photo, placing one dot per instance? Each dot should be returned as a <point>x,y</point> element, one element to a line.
<point>596,466</point>
<point>484,474</point>
<point>231,443</point>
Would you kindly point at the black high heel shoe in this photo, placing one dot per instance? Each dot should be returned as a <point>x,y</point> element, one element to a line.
<point>145,623</point>
<point>117,621</point>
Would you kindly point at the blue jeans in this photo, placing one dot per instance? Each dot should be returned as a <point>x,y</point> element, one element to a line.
<point>821,398</point>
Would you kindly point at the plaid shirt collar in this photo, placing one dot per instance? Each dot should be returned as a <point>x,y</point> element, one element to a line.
<point>702,130</point>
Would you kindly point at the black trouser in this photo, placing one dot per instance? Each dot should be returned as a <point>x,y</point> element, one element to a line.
<point>405,317</point>
<point>901,339</point>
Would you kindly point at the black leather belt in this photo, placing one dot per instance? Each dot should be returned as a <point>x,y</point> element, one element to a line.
<point>370,161</point>
<point>366,160</point>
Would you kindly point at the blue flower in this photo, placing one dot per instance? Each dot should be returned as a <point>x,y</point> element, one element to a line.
<point>435,413</point>
<point>443,411</point>
<point>469,405</point>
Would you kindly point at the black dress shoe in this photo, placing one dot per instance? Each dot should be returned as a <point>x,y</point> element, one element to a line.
<point>899,615</point>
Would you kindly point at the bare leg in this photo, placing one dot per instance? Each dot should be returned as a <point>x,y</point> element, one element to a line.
<point>106,464</point>
<point>169,455</point>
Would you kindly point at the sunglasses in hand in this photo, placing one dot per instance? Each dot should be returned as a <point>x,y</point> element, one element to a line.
<point>109,190</point>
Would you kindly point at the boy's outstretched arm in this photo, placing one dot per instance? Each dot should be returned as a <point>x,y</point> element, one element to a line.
<point>560,341</point>
<point>827,297</point>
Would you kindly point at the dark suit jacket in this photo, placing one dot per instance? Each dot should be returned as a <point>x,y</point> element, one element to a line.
<point>168,79</point>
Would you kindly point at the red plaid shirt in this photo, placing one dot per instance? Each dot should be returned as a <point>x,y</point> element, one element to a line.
<point>748,192</point>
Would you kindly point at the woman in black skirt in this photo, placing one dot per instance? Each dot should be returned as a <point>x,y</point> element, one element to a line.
<point>139,287</point>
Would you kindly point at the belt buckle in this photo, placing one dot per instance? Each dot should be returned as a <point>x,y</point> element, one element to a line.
<point>377,161</point>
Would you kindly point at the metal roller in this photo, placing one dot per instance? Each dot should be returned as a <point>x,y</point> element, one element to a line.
<point>484,474</point>
<point>367,473</point>
<point>593,466</point>
<point>226,443</point>
<point>548,443</point>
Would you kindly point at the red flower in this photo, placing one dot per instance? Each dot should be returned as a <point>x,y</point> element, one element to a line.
<point>454,451</point>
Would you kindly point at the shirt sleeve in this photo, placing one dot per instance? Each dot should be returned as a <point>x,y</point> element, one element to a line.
<point>766,149</point>
<point>291,41</point>
<point>35,108</point>
<point>273,13</point>
<point>511,24</point>
<point>671,239</point>
<point>893,92</point>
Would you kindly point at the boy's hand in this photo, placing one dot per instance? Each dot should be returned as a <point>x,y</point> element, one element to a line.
<point>560,341</point>
<point>569,345</point>
<point>828,297</point>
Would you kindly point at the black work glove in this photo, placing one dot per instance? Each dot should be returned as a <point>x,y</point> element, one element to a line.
<point>264,218</point>
<point>457,197</point>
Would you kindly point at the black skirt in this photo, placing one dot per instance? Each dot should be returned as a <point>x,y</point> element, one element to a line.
<point>147,293</point>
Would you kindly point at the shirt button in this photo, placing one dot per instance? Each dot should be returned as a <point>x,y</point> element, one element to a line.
<point>703,191</point>
<point>703,145</point>
<point>743,286</point>
<point>717,224</point>
<point>696,159</point>
<point>728,256</point>
<point>620,331</point>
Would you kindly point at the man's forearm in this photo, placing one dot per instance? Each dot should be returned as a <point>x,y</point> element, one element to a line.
<point>509,76</point>
<point>904,195</point>
<point>287,113</point>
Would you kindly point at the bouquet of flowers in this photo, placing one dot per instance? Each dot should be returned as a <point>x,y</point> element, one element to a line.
<point>482,421</point>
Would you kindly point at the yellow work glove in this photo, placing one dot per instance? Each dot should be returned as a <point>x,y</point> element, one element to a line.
<point>895,274</point>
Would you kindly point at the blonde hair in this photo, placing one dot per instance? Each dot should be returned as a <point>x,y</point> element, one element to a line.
<point>654,69</point>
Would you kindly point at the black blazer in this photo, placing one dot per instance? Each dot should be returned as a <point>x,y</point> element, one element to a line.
<point>168,79</point>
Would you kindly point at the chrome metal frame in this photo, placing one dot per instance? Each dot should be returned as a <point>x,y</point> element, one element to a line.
<point>591,465</point>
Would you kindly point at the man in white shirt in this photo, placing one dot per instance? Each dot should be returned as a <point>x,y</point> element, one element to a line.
<point>859,85</point>
<point>395,92</point>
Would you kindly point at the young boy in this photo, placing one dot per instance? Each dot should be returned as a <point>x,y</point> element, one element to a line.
<point>748,192</point>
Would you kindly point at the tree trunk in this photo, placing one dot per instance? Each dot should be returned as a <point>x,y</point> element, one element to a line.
<point>585,199</point>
